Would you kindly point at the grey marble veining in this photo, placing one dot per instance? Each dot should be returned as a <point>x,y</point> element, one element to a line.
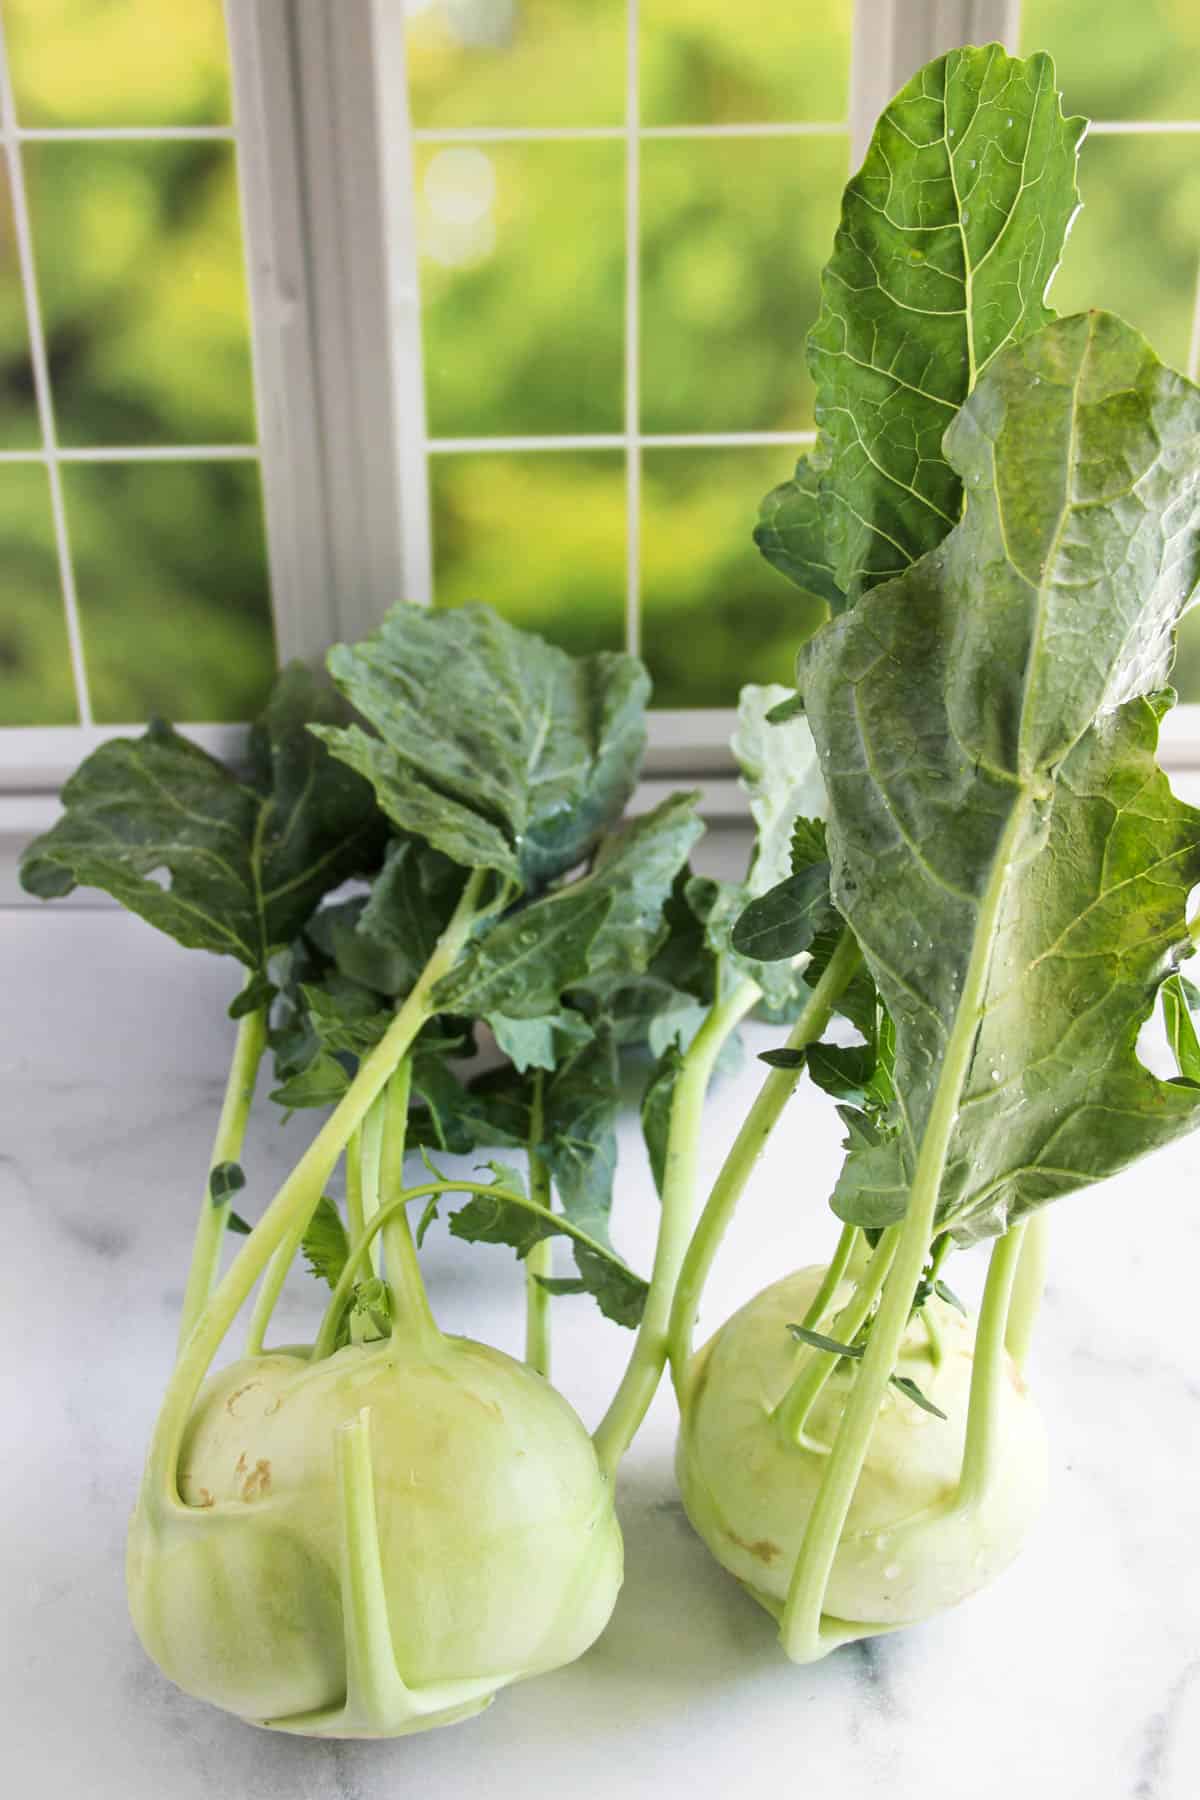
<point>1076,1677</point>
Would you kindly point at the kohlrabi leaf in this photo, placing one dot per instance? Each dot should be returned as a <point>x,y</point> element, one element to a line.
<point>785,920</point>
<point>542,1042</point>
<point>657,1103</point>
<point>1181,1032</point>
<point>1012,862</point>
<point>607,924</point>
<point>498,749</point>
<point>619,1293</point>
<point>791,535</point>
<point>949,236</point>
<point>325,1244</point>
<point>782,779</point>
<point>220,863</point>
<point>580,1103</point>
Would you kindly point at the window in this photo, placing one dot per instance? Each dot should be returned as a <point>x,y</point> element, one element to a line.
<point>523,290</point>
<point>127,431</point>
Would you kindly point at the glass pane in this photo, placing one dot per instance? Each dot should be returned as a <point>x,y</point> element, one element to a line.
<point>19,428</point>
<point>540,536</point>
<point>139,259</point>
<point>714,614</point>
<point>1135,247</point>
<point>36,687</point>
<point>171,570</point>
<point>1186,673</point>
<point>1117,61</point>
<point>118,62</point>
<point>522,279</point>
<point>735,233</point>
<point>704,62</point>
<point>516,62</point>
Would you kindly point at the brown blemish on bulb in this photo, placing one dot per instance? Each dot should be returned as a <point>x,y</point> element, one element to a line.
<point>206,1498</point>
<point>237,1394</point>
<point>240,1467</point>
<point>257,1484</point>
<point>762,1548</point>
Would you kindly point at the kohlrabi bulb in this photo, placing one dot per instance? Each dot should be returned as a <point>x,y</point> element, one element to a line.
<point>905,1552</point>
<point>375,1542</point>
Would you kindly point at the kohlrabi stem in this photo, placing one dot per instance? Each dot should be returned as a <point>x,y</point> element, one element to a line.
<point>839,1262</point>
<point>289,1212</point>
<point>327,1335</point>
<point>412,1318</point>
<point>988,1371</point>
<point>933,1336</point>
<point>248,1049</point>
<point>817,1366</point>
<point>371,1139</point>
<point>800,1631</point>
<point>540,1261</point>
<point>355,1216</point>
<point>644,1370</point>
<point>1028,1287</point>
<point>748,1146</point>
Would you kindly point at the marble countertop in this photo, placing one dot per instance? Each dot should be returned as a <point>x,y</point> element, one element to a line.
<point>1076,1677</point>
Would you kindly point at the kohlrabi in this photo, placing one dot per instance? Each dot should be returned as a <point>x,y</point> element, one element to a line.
<point>1000,527</point>
<point>375,1533</point>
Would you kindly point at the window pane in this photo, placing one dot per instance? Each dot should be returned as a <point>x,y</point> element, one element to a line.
<point>705,62</point>
<point>522,276</point>
<point>139,259</point>
<point>1135,247</point>
<point>540,536</point>
<point>1117,61</point>
<point>118,62</point>
<point>1186,673</point>
<point>516,62</point>
<point>714,614</point>
<point>19,428</point>
<point>36,687</point>
<point>171,571</point>
<point>734,236</point>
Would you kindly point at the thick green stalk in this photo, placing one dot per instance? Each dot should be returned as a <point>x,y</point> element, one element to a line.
<point>988,1372</point>
<point>748,1146</point>
<point>355,1216</point>
<point>817,1366</point>
<point>644,1370</point>
<point>371,1137</point>
<point>1028,1287</point>
<point>289,1212</point>
<point>800,1631</point>
<point>839,1262</point>
<point>412,1317</point>
<point>540,1261</point>
<point>326,1336</point>
<point>248,1050</point>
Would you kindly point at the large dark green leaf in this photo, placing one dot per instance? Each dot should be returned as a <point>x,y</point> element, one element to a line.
<point>607,925</point>
<point>497,748</point>
<point>949,236</point>
<point>998,828</point>
<point>245,861</point>
<point>580,1103</point>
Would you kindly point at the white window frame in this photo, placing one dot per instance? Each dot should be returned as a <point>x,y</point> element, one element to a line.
<point>325,165</point>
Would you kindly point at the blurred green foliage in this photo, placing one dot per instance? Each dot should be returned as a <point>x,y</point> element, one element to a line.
<point>523,281</point>
<point>143,293</point>
<point>139,259</point>
<point>140,279</point>
<point>734,235</point>
<point>169,561</point>
<point>1120,61</point>
<point>118,62</point>
<point>36,685</point>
